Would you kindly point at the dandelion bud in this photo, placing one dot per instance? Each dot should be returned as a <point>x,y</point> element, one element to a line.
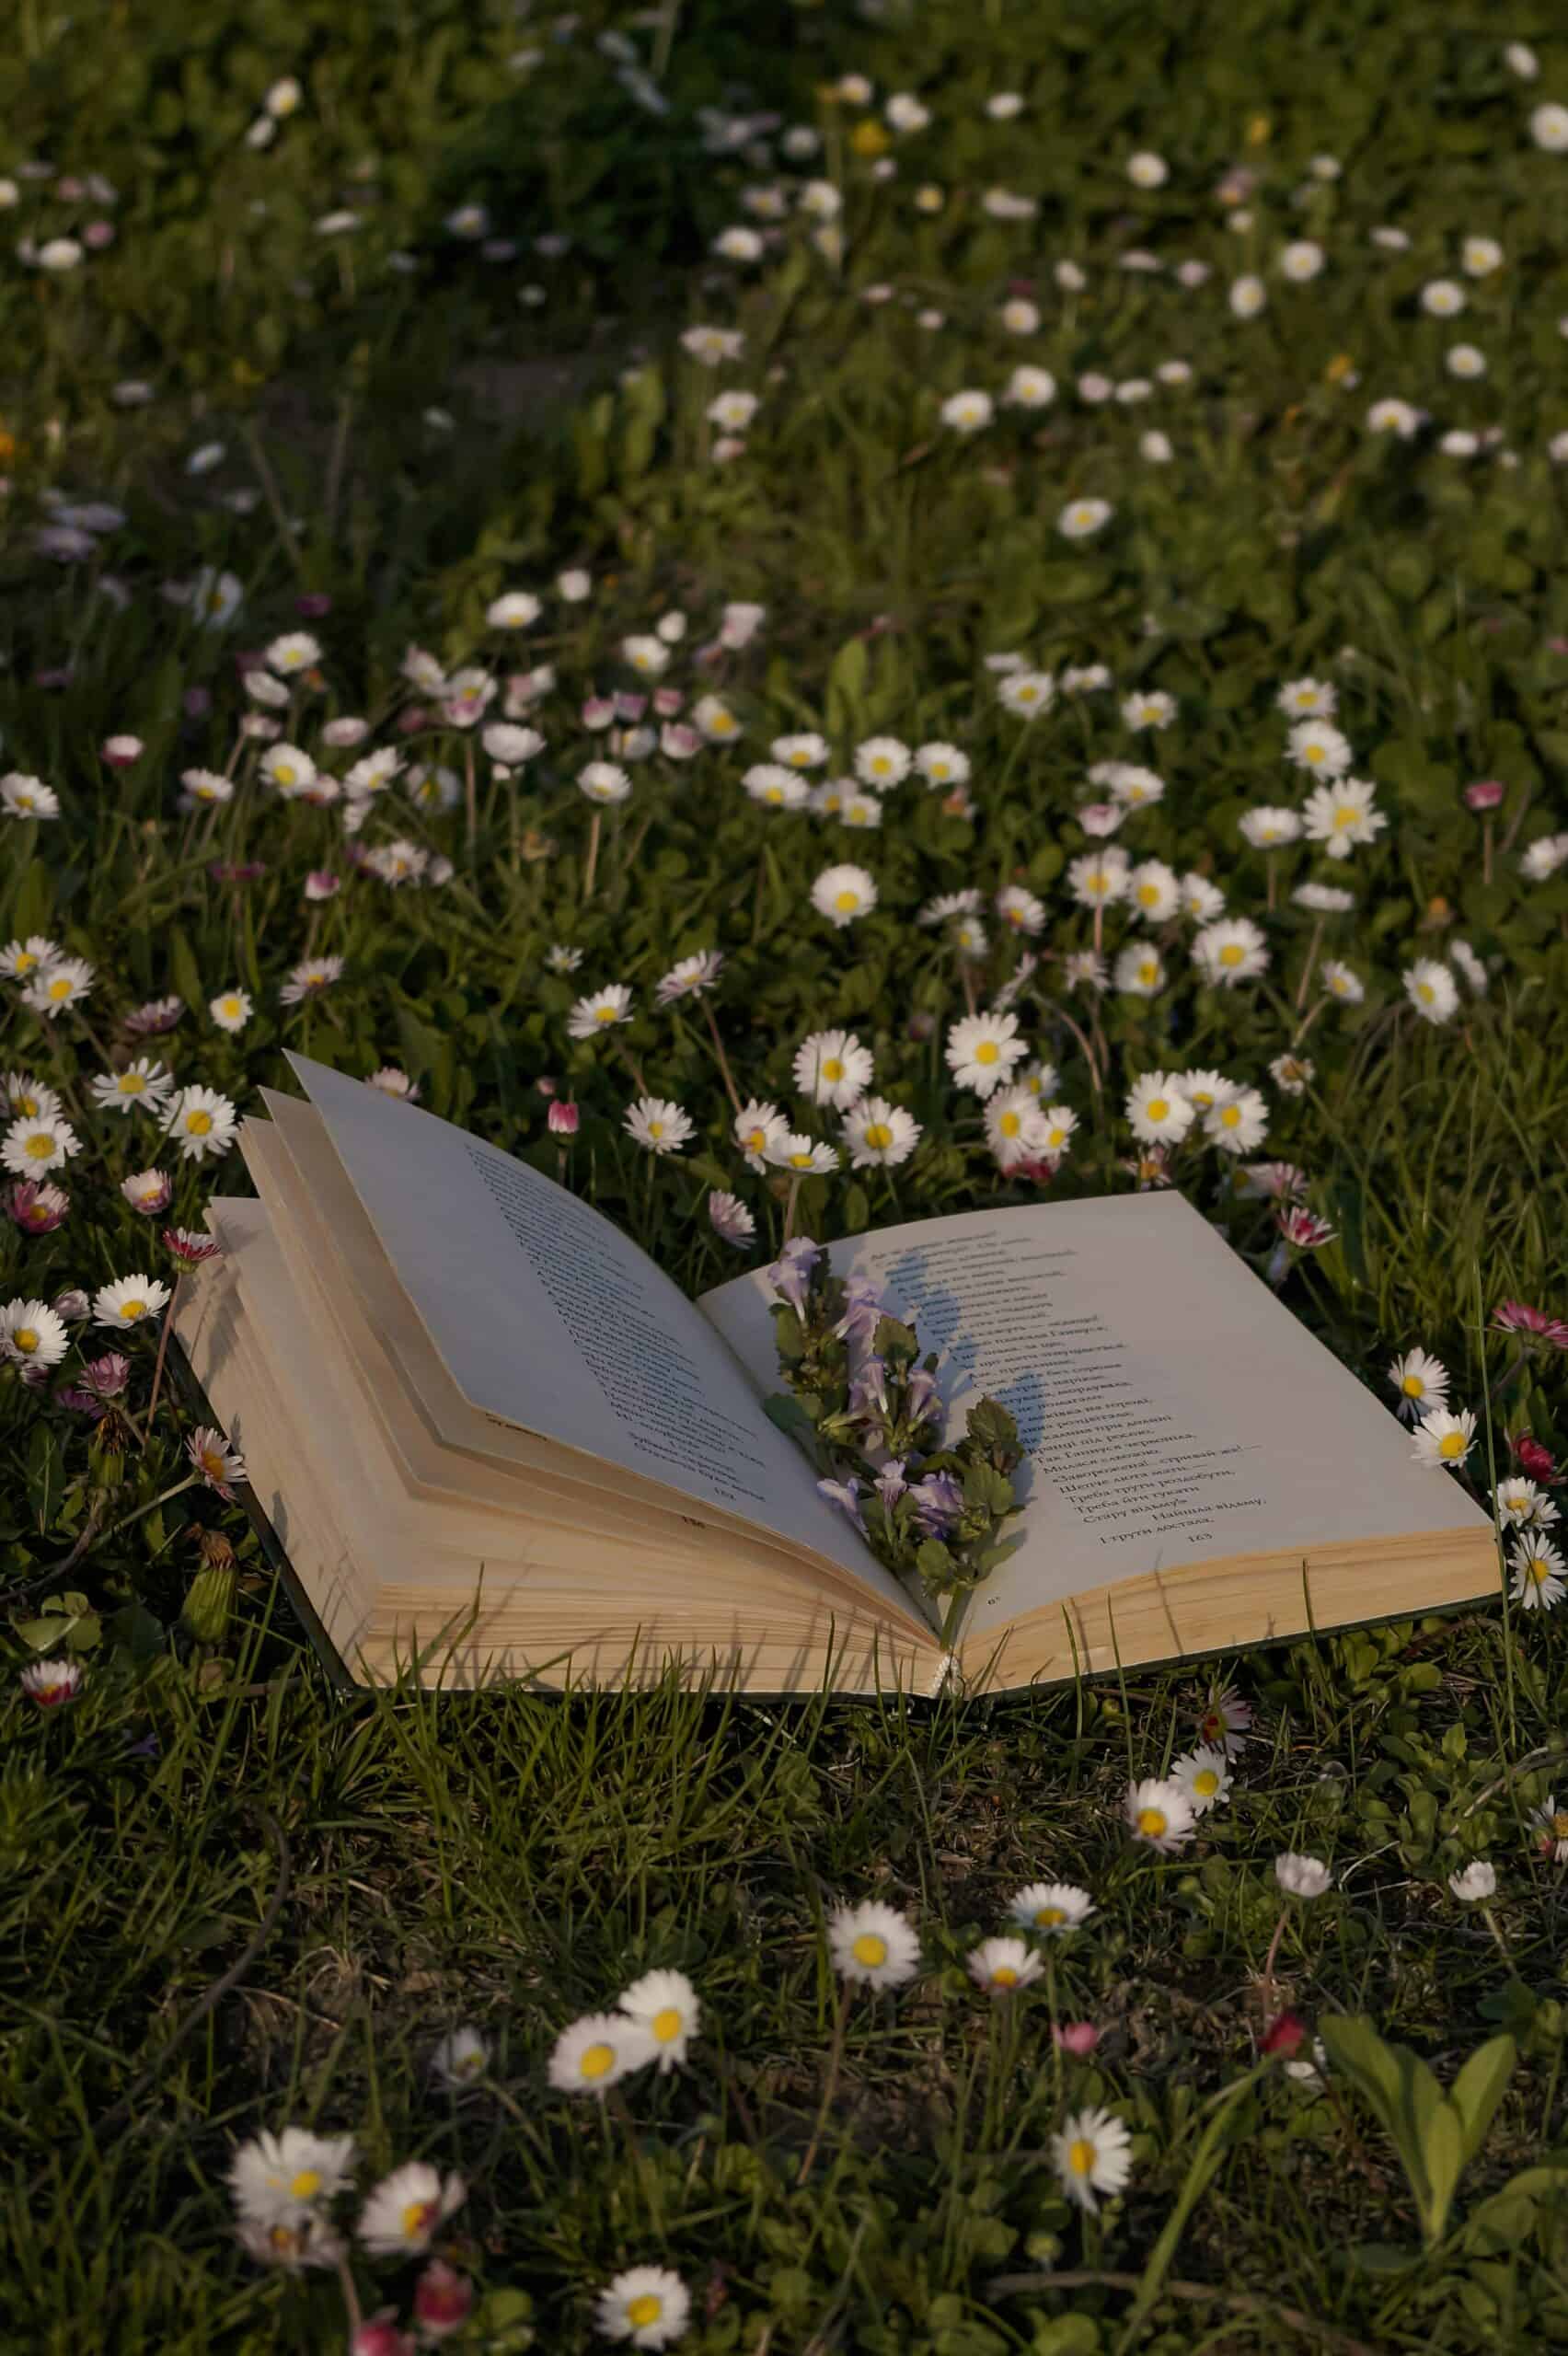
<point>208,1604</point>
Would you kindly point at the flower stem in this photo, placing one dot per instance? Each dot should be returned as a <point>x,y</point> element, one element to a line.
<point>592,868</point>
<point>830,2083</point>
<point>723,1061</point>
<point>163,1345</point>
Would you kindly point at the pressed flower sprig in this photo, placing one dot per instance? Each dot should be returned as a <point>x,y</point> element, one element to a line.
<point>866,1405</point>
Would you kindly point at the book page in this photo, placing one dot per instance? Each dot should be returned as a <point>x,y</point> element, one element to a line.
<point>1171,1407</point>
<point>548,1318</point>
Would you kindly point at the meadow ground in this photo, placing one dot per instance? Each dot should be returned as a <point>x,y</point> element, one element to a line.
<point>820,521</point>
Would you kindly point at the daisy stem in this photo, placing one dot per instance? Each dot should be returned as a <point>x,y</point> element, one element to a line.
<point>723,1060</point>
<point>271,494</point>
<point>163,1345</point>
<point>830,2083</point>
<point>1270,1958</point>
<point>1056,2024</point>
<point>1489,1919</point>
<point>1508,1375</point>
<point>1306,969</point>
<point>161,1499</point>
<point>1306,1026</point>
<point>1486,850</point>
<point>790,1207</point>
<point>1270,882</point>
<point>351,2294</point>
<point>590,870</point>
<point>632,1066</point>
<point>470,796</point>
<point>966,976</point>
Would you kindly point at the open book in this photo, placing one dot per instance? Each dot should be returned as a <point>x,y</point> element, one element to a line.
<point>493,1440</point>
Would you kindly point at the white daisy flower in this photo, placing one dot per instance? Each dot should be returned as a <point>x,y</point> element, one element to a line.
<point>1205,1777</point>
<point>873,1945</point>
<point>595,2053</point>
<point>1301,1876</point>
<point>144,1083</point>
<point>600,1011</point>
<point>843,894</point>
<point>1442,1438</point>
<point>1241,1124</point>
<point>647,2304</point>
<point>1081,518</point>
<point>31,1333</point>
<point>1092,2155</point>
<point>661,1125</point>
<point>983,1050</point>
<point>967,411</point>
<point>405,2211</point>
<point>1051,1908</point>
<point>1431,989</point>
<point>665,2004</point>
<point>882,761</point>
<point>204,1121</point>
<point>1157,1111</point>
<point>129,1300</point>
<point>1539,1573</point>
<point>1341,814</point>
<point>1001,1966</point>
<point>273,2177</point>
<point>1229,951</point>
<point>879,1134</point>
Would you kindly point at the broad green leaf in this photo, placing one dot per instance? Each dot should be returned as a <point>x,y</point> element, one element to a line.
<point>1479,2088</point>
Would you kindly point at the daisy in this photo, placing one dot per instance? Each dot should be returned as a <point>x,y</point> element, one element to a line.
<point>599,1012</point>
<point>842,893</point>
<point>942,765</point>
<point>37,1207</point>
<point>1030,388</point>
<point>803,1155</point>
<point>1431,989</point>
<point>1265,828</point>
<point>1147,170</point>
<point>31,1333</point>
<point>1157,1111</point>
<point>1301,1876</point>
<point>218,1465</point>
<point>1205,1089</point>
<point>1092,2155</point>
<point>373,771</point>
<point>776,787</point>
<point>514,609</point>
<point>801,751</point>
<point>32,1147</point>
<point>712,717</point>
<point>1026,694</point>
<point>288,768</point>
<point>1476,1884</point>
<point>831,1067</point>
<point>665,2004</point>
<point>983,1050</point>
<point>758,1128</point>
<point>1015,1128</point>
<point>1308,699</point>
<point>1248,297</point>
<point>1421,1382</point>
<point>1201,900</point>
<point>1341,814</point>
<point>147,1191</point>
<point>604,782</point>
<point>1293,1075</point>
<point>874,1944</point>
<point>309,978</point>
<point>1060,1122</point>
<point>967,411</point>
<point>144,1082</point>
<point>1000,1967</point>
<point>647,2304</point>
<point>1153,893</point>
<point>1342,981</point>
<point>1241,1124</point>
<point>1317,746</point>
<point>1394,417</point>
<point>1160,1814</point>
<point>407,2208</point>
<point>272,2177</point>
<point>1479,257</point>
<point>1229,951</point>
<point>1081,518</point>
<point>57,985</point>
<point>882,761</point>
<point>51,1682</point>
<point>1153,710</point>
<point>1541,1574</point>
<point>598,2051</point>
<point>1551,1825</point>
<point>20,958</point>
<point>129,1300</point>
<point>730,1218</point>
<point>1522,1506</point>
<point>1204,1776</point>
<point>1138,972</point>
<point>1301,261</point>
<point>879,1134</point>
<point>1225,1723</point>
<point>1442,1438</point>
<point>1443,298</point>
<point>659,1125</point>
<point>231,1009</point>
<point>1050,1907</point>
<point>691,977</point>
<point>28,797</point>
<point>1136,787</point>
<point>460,2057</point>
<point>203,1121</point>
<point>1098,877</point>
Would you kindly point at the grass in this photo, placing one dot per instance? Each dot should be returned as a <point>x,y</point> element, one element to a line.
<point>231,1899</point>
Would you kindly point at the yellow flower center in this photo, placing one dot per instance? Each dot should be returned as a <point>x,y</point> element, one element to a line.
<point>655,1128</point>
<point>1148,895</point>
<point>212,1464</point>
<point>870,1950</point>
<point>1010,1124</point>
<point>1412,1386</point>
<point>1206,1782</point>
<point>26,961</point>
<point>1047,1917</point>
<point>667,2024</point>
<point>1345,817</point>
<point>597,2059</point>
<point>833,1069</point>
<point>1451,1444</point>
<point>1230,1116</point>
<point>754,1141</point>
<point>1560,1824</point>
<point>229,1006</point>
<point>846,902</point>
<point>284,772</point>
<point>878,1136</point>
<point>1538,1569</point>
<point>59,986</point>
<point>39,1147</point>
<point>987,1052</point>
<point>1151,1822</point>
<point>722,723</point>
<point>130,1309</point>
<point>604,1014</point>
<point>1081,2156</point>
<point>1157,1107</point>
<point>1056,1137</point>
<point>1004,1976</point>
<point>646,2309</point>
<point>198,1123</point>
<point>418,2216</point>
<point>801,1161</point>
<point>1232,954</point>
<point>25,1338</point>
<point>305,2185</point>
<point>132,1083</point>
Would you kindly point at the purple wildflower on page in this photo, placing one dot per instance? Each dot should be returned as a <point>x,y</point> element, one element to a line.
<point>790,1274</point>
<point>845,1495</point>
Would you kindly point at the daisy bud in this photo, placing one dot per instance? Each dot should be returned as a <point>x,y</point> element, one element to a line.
<point>443,2300</point>
<point>198,702</point>
<point>1534,1462</point>
<point>119,752</point>
<point>1283,2036</point>
<point>1484,794</point>
<point>380,2336</point>
<point>51,1682</point>
<point>563,1120</point>
<point>312,605</point>
<point>1079,2037</point>
<point>71,1306</point>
